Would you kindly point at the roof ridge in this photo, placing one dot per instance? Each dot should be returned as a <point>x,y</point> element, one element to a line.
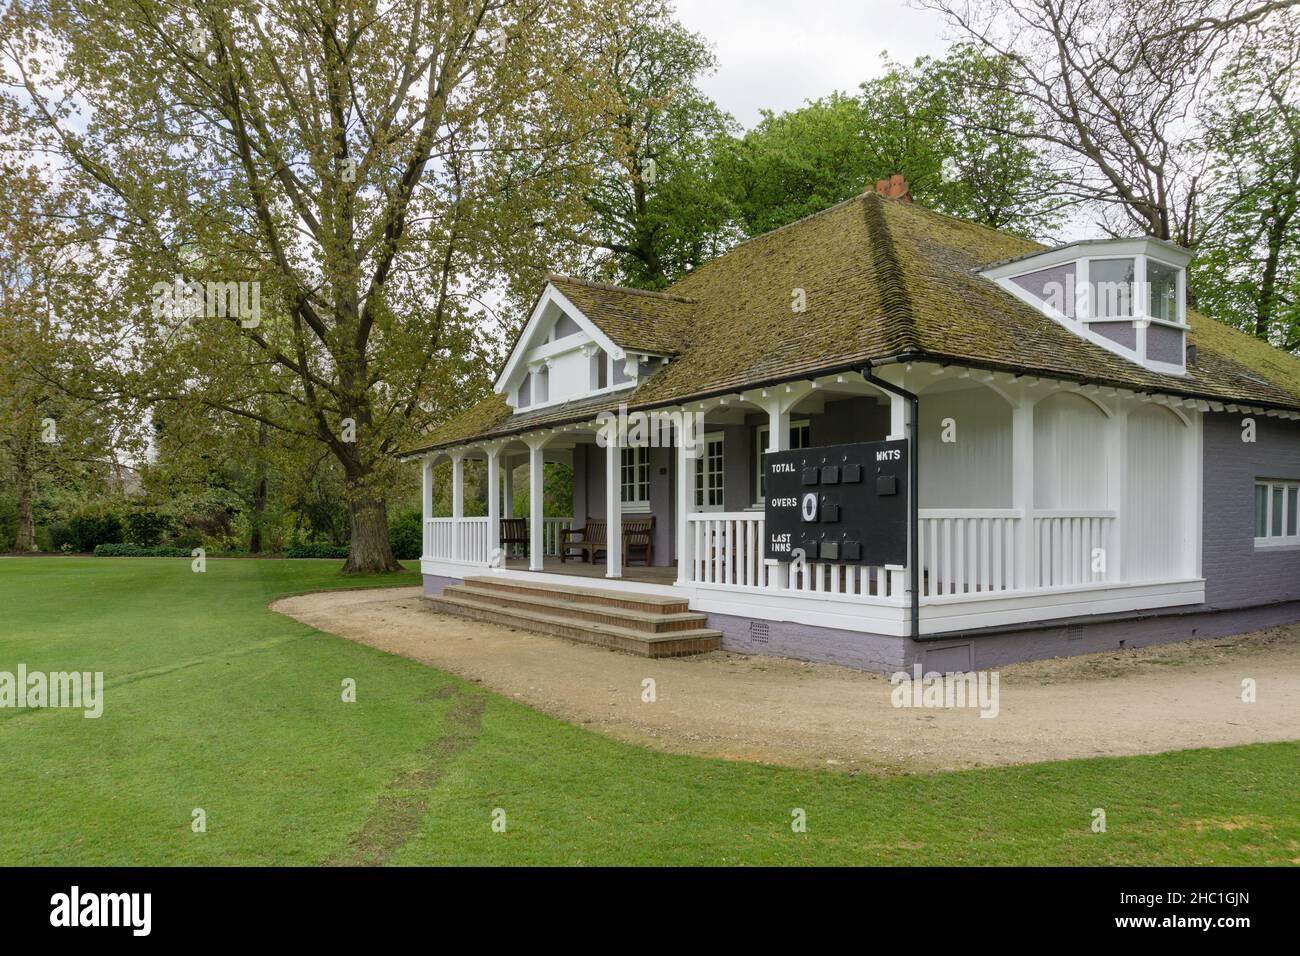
<point>609,287</point>
<point>895,300</point>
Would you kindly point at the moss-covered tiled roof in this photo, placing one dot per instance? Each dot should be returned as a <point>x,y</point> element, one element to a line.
<point>634,319</point>
<point>880,278</point>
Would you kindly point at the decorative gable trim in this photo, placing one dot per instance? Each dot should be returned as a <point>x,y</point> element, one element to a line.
<point>551,296</point>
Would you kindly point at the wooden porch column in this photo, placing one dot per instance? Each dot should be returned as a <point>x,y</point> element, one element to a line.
<point>613,504</point>
<point>1022,491</point>
<point>686,439</point>
<point>535,502</point>
<point>457,502</point>
<point>494,504</point>
<point>426,504</point>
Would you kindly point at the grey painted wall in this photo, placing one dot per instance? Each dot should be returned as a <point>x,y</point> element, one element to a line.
<point>589,494</point>
<point>1121,333</point>
<point>1035,283</point>
<point>1236,573</point>
<point>1165,344</point>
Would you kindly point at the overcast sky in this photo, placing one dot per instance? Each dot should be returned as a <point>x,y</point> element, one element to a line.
<point>777,53</point>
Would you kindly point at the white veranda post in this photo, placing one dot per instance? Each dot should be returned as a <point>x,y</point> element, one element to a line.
<point>685,496</point>
<point>426,504</point>
<point>613,503</point>
<point>536,444</point>
<point>457,501</point>
<point>494,502</point>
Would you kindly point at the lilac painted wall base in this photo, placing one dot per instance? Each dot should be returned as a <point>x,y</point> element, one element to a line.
<point>433,584</point>
<point>876,652</point>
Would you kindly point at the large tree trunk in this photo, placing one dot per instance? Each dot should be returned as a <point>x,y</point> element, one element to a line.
<point>25,539</point>
<point>371,552</point>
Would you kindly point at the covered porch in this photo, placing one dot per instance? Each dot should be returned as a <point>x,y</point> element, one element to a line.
<point>1038,500</point>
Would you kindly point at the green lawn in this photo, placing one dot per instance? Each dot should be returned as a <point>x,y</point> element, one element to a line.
<point>214,702</point>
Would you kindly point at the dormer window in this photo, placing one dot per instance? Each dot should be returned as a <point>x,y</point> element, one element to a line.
<point>1126,295</point>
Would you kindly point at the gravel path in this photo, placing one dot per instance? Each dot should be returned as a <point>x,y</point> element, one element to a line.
<point>1170,697</point>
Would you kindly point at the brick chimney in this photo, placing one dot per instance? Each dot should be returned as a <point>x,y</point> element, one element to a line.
<point>895,187</point>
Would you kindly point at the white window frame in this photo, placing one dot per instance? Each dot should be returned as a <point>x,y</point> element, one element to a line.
<point>702,471</point>
<point>760,439</point>
<point>1290,519</point>
<point>639,500</point>
<point>1094,300</point>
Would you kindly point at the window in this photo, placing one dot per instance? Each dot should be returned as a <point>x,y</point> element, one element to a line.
<point>636,479</point>
<point>1277,512</point>
<point>525,392</point>
<point>800,433</point>
<point>1162,283</point>
<point>1112,287</point>
<point>709,489</point>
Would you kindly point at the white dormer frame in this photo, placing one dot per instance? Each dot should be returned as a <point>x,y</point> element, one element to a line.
<point>1081,255</point>
<point>551,296</point>
<point>531,352</point>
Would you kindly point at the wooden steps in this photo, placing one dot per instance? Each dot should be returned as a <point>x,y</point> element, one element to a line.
<point>648,625</point>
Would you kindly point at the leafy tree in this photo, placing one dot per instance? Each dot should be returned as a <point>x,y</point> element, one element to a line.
<point>374,168</point>
<point>655,208</point>
<point>952,126</point>
<point>48,278</point>
<point>1247,269</point>
<point>1112,86</point>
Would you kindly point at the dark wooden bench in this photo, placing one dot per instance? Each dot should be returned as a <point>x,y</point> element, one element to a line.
<point>514,531</point>
<point>638,535</point>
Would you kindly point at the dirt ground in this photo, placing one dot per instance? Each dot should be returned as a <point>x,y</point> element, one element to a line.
<point>771,710</point>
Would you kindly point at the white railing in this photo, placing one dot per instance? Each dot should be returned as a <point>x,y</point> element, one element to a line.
<point>441,536</point>
<point>1071,547</point>
<point>464,540</point>
<point>968,550</point>
<point>727,550</point>
<point>551,528</point>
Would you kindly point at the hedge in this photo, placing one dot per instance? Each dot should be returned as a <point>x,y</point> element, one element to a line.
<point>119,550</point>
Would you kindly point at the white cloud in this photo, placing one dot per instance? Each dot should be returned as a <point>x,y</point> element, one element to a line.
<point>776,54</point>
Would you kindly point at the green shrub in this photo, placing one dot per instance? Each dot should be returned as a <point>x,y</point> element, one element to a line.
<point>61,537</point>
<point>405,535</point>
<point>318,551</point>
<point>93,528</point>
<point>146,528</point>
<point>120,550</point>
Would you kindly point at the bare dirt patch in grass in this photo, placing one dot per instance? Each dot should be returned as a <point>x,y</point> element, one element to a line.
<point>773,710</point>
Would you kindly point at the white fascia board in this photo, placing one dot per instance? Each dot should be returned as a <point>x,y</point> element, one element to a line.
<point>1157,249</point>
<point>551,296</point>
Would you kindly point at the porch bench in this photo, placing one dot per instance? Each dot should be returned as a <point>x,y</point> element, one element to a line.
<point>514,531</point>
<point>638,535</point>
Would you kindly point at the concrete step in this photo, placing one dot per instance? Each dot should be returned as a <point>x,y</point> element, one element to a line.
<point>631,641</point>
<point>629,600</point>
<point>563,605</point>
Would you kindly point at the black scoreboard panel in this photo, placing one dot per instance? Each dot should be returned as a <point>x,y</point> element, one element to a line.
<point>842,503</point>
